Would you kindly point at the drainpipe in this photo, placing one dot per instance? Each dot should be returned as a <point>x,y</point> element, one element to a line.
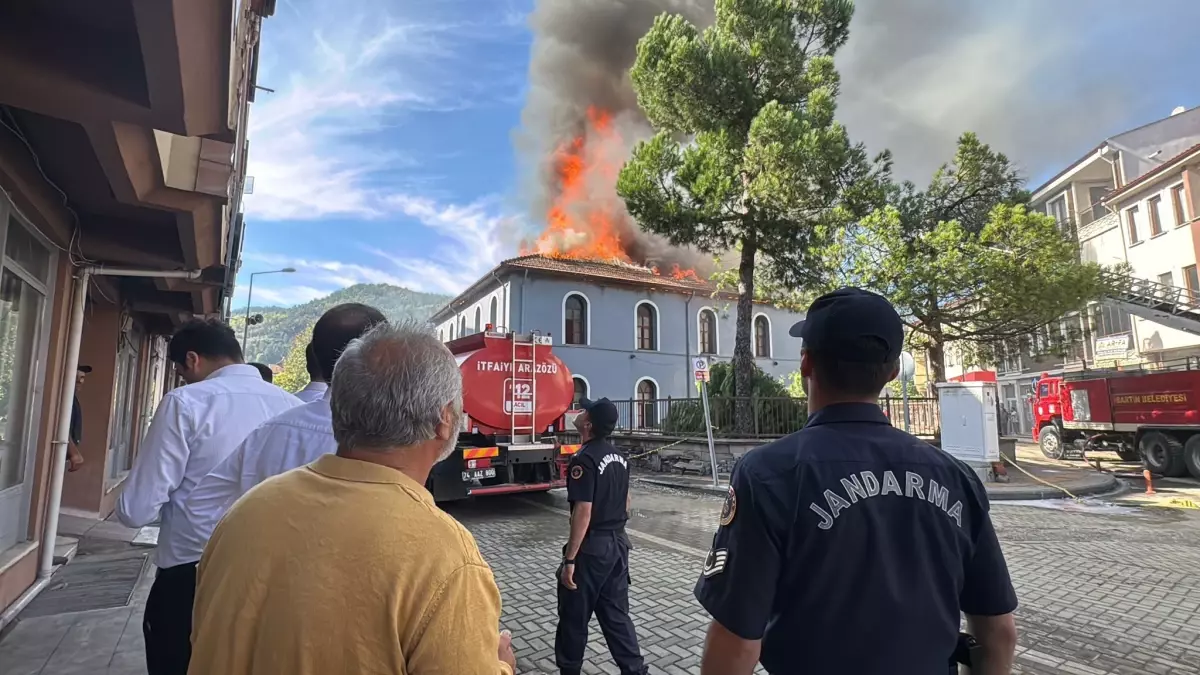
<point>687,345</point>
<point>58,460</point>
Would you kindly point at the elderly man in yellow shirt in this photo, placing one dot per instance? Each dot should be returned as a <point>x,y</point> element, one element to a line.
<point>346,565</point>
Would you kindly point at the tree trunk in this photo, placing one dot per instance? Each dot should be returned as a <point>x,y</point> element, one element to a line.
<point>937,361</point>
<point>743,358</point>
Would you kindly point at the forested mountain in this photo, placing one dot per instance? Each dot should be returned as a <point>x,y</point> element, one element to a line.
<point>270,340</point>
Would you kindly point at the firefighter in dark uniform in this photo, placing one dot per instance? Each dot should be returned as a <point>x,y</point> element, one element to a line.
<point>851,546</point>
<point>594,574</point>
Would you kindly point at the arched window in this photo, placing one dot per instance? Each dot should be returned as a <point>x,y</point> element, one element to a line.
<point>441,336</point>
<point>647,326</point>
<point>708,331</point>
<point>575,319</point>
<point>762,336</point>
<point>493,315</point>
<point>647,403</point>
<point>478,319</point>
<point>462,326</point>
<point>581,390</point>
<point>451,330</point>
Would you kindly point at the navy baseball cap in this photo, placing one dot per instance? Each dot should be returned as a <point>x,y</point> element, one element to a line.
<point>854,325</point>
<point>601,412</point>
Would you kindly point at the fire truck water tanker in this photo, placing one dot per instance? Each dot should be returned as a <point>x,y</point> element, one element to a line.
<point>1152,415</point>
<point>516,394</point>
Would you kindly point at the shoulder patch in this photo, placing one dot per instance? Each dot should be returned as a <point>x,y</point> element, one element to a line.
<point>576,472</point>
<point>714,563</point>
<point>729,508</point>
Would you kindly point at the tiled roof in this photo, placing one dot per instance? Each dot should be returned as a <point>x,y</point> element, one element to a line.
<point>1170,163</point>
<point>596,270</point>
<point>613,271</point>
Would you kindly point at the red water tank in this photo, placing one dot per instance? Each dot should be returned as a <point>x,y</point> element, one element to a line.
<point>490,391</point>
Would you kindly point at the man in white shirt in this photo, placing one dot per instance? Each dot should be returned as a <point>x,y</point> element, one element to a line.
<point>194,428</point>
<point>316,387</point>
<point>285,442</point>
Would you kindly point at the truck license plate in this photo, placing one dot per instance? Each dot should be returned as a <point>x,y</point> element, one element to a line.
<point>479,474</point>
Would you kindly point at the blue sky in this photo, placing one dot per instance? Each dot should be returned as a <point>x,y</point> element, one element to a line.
<point>386,155</point>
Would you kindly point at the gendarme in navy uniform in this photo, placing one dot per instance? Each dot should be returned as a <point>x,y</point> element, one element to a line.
<point>594,574</point>
<point>851,546</point>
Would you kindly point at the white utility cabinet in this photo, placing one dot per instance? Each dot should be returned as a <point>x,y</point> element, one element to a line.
<point>969,430</point>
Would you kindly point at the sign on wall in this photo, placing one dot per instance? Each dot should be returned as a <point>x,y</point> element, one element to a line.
<point>1112,345</point>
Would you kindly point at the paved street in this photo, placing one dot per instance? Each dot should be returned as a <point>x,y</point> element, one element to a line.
<point>1110,590</point>
<point>1104,588</point>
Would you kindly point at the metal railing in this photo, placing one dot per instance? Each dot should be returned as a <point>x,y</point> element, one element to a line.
<point>1153,294</point>
<point>924,416</point>
<point>771,417</point>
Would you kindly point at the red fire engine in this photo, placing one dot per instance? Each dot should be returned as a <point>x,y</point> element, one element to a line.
<point>1153,415</point>
<point>516,394</point>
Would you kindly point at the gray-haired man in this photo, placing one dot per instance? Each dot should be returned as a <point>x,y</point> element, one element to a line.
<point>351,550</point>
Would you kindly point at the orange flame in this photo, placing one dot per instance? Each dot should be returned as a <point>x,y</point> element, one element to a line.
<point>577,224</point>
<point>586,218</point>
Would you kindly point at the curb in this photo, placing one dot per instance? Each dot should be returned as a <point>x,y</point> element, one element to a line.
<point>1109,484</point>
<point>686,487</point>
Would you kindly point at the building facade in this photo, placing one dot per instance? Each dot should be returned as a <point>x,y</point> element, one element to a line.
<point>1129,202</point>
<point>623,331</point>
<point>122,160</point>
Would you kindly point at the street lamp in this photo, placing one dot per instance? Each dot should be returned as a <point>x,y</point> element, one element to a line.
<point>250,294</point>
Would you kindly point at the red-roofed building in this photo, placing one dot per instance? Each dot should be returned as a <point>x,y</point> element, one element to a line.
<point>624,331</point>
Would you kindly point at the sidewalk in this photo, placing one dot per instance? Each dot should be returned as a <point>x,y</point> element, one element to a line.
<point>89,620</point>
<point>1045,479</point>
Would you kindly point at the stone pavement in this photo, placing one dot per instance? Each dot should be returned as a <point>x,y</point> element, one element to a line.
<point>1104,589</point>
<point>97,642</point>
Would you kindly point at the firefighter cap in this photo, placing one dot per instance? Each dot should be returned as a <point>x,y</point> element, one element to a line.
<point>853,325</point>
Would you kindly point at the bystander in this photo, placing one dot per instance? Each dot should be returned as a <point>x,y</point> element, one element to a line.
<point>346,565</point>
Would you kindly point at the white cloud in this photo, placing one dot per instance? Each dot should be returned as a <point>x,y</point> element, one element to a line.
<point>287,295</point>
<point>476,238</point>
<point>341,74</point>
<point>472,238</point>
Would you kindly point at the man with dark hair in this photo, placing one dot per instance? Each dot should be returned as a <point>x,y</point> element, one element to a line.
<point>851,546</point>
<point>292,439</point>
<point>194,428</point>
<point>265,371</point>
<point>594,574</point>
<point>317,385</point>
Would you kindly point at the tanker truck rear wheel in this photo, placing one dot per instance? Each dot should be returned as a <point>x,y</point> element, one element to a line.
<point>1191,456</point>
<point>1163,454</point>
<point>1050,441</point>
<point>1129,454</point>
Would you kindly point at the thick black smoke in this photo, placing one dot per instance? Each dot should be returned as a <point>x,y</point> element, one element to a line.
<point>1041,81</point>
<point>582,53</point>
<point>1044,82</point>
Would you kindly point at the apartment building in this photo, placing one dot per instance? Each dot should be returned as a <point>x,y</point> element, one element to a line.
<point>1129,200</point>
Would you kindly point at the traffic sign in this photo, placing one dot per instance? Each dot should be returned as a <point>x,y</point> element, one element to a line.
<point>700,366</point>
<point>908,367</point>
